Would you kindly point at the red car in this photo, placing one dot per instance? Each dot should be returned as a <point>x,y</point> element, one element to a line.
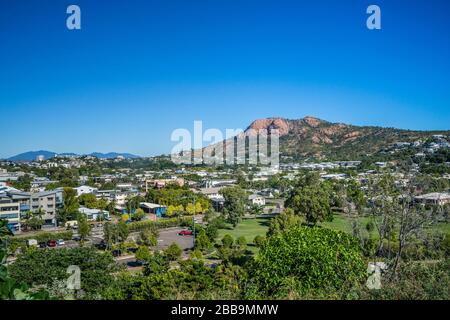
<point>51,243</point>
<point>185,233</point>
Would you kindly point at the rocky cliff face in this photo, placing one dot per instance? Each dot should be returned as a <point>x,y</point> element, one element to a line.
<point>269,124</point>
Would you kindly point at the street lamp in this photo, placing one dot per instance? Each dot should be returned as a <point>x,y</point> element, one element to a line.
<point>193,224</point>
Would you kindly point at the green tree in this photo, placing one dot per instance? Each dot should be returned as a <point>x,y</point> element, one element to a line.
<point>70,205</point>
<point>44,267</point>
<point>227,241</point>
<point>283,221</point>
<point>110,234</point>
<point>202,241</point>
<point>235,204</point>
<point>198,208</point>
<point>259,240</point>
<point>123,231</point>
<point>196,254</point>
<point>148,238</point>
<point>88,200</point>
<point>139,214</point>
<point>313,202</point>
<point>10,288</point>
<point>256,209</point>
<point>314,258</point>
<point>157,264</point>
<point>171,210</point>
<point>4,231</point>
<point>241,242</point>
<point>190,209</point>
<point>143,254</point>
<point>84,228</point>
<point>173,252</point>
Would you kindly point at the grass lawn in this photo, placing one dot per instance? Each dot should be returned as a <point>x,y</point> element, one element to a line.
<point>249,228</point>
<point>342,223</point>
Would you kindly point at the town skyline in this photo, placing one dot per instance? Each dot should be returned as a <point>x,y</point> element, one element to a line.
<point>108,154</point>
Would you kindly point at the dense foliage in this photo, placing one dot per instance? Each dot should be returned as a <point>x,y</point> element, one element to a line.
<point>315,258</point>
<point>44,267</point>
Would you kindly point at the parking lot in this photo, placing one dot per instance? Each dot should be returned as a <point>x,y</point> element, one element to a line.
<point>168,236</point>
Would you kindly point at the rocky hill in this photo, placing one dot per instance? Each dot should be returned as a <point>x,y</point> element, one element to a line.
<point>313,137</point>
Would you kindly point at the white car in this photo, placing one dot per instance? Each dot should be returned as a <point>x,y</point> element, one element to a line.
<point>61,242</point>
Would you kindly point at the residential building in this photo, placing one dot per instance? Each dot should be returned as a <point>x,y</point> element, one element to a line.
<point>435,198</point>
<point>85,190</point>
<point>255,199</point>
<point>161,183</point>
<point>14,204</point>
<point>94,214</point>
<point>211,193</point>
<point>10,210</point>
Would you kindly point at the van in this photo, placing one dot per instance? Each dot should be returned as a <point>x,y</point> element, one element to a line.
<point>32,242</point>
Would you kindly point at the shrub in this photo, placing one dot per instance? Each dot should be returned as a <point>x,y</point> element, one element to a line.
<point>159,224</point>
<point>258,241</point>
<point>227,241</point>
<point>316,258</point>
<point>241,242</point>
<point>173,252</point>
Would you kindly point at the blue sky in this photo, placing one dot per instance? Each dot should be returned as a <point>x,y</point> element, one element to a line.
<point>138,69</point>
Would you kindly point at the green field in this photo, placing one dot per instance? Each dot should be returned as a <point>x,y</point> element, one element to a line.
<point>343,223</point>
<point>249,228</point>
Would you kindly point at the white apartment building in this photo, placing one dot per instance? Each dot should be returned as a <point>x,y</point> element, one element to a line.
<point>85,190</point>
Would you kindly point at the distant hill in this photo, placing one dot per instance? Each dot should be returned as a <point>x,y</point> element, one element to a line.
<point>311,137</point>
<point>32,155</point>
<point>112,155</point>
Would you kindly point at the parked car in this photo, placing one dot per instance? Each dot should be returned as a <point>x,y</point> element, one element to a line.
<point>76,238</point>
<point>116,253</point>
<point>51,243</point>
<point>42,245</point>
<point>185,233</point>
<point>132,250</point>
<point>101,245</point>
<point>61,242</point>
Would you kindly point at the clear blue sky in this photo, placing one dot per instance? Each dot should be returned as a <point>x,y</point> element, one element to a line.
<point>140,69</point>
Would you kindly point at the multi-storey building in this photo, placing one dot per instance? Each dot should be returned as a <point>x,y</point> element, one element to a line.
<point>9,209</point>
<point>15,204</point>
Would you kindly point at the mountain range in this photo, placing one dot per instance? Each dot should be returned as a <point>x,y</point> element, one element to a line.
<point>32,155</point>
